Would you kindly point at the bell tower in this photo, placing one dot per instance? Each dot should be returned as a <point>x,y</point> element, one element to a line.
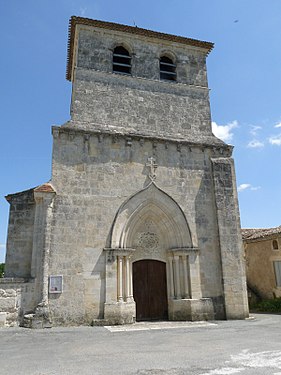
<point>142,193</point>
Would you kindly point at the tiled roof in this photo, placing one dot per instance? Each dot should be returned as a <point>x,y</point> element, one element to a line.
<point>124,28</point>
<point>45,188</point>
<point>259,233</point>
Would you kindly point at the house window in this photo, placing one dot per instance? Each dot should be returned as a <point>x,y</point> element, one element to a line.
<point>167,69</point>
<point>121,61</point>
<point>277,269</point>
<point>275,245</point>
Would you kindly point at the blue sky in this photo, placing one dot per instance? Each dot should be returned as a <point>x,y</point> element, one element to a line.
<point>243,70</point>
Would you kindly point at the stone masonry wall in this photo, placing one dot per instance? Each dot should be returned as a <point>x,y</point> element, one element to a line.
<point>20,235</point>
<point>16,298</point>
<point>114,102</point>
<point>140,103</point>
<point>95,48</point>
<point>93,175</point>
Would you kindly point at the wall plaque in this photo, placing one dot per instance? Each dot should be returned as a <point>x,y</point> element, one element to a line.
<point>55,284</point>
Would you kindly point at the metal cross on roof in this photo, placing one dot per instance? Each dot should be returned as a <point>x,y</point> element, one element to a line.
<point>153,166</point>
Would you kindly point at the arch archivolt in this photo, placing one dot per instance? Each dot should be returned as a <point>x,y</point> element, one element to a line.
<point>123,44</point>
<point>151,205</point>
<point>168,53</point>
<point>151,225</point>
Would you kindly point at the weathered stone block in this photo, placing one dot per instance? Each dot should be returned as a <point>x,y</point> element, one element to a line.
<point>191,309</point>
<point>3,318</point>
<point>120,313</point>
<point>8,304</point>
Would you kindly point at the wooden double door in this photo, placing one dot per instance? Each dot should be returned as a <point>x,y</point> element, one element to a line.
<point>150,290</point>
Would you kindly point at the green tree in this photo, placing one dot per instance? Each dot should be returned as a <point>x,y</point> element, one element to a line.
<point>2,267</point>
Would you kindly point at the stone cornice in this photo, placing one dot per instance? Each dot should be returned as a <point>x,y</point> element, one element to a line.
<point>15,280</point>
<point>184,250</point>
<point>119,250</point>
<point>223,149</point>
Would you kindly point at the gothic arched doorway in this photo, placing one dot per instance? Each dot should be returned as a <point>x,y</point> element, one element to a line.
<point>150,290</point>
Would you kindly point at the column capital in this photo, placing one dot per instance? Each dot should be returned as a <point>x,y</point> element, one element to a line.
<point>111,253</point>
<point>119,251</point>
<point>183,251</point>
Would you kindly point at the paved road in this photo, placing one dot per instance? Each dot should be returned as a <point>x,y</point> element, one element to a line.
<point>217,348</point>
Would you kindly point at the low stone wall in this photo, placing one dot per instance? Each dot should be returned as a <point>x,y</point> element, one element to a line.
<point>12,305</point>
<point>10,296</point>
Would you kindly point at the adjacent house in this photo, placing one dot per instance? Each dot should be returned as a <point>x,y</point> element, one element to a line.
<point>263,261</point>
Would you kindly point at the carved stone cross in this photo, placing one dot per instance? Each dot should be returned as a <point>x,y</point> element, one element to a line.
<point>153,166</point>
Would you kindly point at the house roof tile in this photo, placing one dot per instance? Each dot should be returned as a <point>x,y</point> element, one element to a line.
<point>44,188</point>
<point>249,234</point>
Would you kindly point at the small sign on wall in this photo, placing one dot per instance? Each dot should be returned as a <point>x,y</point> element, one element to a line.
<point>55,284</point>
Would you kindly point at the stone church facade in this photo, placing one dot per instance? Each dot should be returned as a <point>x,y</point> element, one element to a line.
<point>140,219</point>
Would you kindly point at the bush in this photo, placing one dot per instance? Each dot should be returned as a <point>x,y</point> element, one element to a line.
<point>269,305</point>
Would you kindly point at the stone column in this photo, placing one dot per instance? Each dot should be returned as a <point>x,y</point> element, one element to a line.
<point>191,280</point>
<point>185,276</point>
<point>120,278</point>
<point>231,247</point>
<point>119,307</point>
<point>189,304</point>
<point>171,277</point>
<point>129,281</point>
<point>177,277</point>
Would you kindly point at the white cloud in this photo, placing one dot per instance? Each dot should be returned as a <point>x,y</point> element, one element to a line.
<point>275,140</point>
<point>243,187</point>
<point>224,131</point>
<point>278,125</point>
<point>254,130</point>
<point>2,246</point>
<point>255,143</point>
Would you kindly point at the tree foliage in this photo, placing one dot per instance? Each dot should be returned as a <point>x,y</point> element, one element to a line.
<point>2,267</point>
